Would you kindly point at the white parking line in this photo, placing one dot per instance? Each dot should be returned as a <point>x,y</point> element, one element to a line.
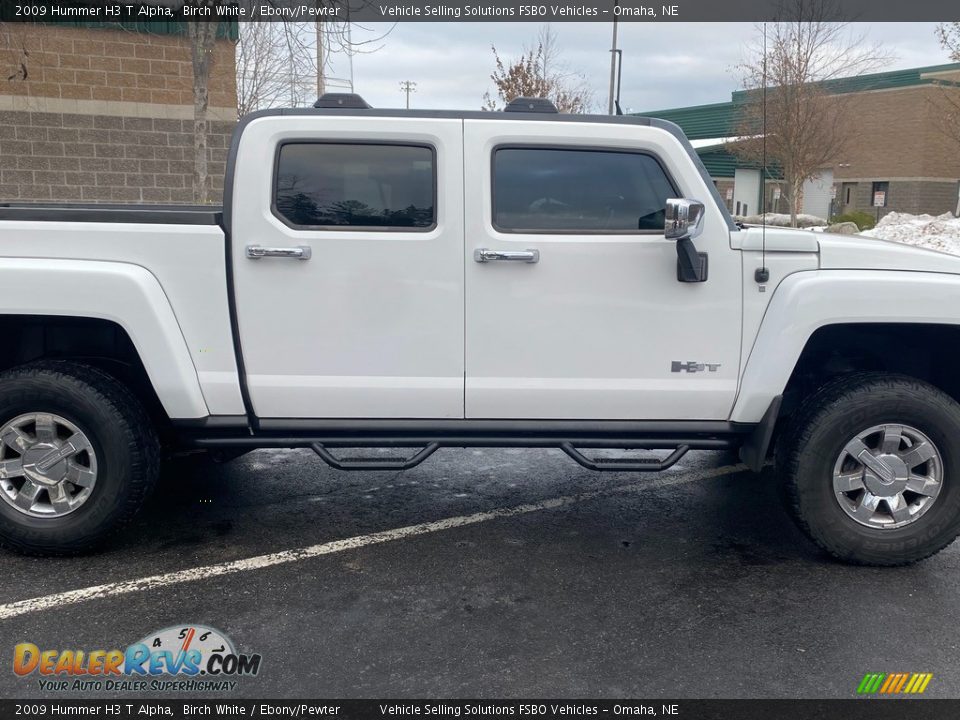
<point>96,592</point>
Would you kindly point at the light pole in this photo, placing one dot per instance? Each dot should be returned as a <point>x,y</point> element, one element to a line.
<point>408,86</point>
<point>613,60</point>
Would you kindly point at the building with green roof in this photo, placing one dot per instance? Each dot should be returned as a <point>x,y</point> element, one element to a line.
<point>900,159</point>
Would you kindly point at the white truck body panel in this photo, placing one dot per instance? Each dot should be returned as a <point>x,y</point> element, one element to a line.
<point>866,253</point>
<point>592,329</point>
<point>126,294</point>
<point>185,261</point>
<point>756,301</point>
<point>807,301</point>
<point>776,239</point>
<point>372,325</point>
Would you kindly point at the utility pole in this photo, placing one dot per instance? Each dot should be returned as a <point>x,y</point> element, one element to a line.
<point>408,86</point>
<point>321,82</point>
<point>613,60</point>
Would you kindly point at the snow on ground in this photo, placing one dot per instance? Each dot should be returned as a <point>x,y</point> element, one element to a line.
<point>941,232</point>
<point>783,220</point>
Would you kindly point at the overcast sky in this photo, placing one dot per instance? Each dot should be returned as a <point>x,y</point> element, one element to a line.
<point>665,65</point>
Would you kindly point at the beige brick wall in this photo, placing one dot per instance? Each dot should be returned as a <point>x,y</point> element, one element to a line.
<point>897,135</point>
<point>910,196</point>
<point>102,158</point>
<point>106,115</point>
<point>108,65</point>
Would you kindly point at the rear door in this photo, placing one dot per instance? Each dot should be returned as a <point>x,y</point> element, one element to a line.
<point>347,246</point>
<point>574,310</point>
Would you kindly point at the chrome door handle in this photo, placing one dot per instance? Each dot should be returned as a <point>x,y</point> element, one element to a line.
<point>483,255</point>
<point>255,252</point>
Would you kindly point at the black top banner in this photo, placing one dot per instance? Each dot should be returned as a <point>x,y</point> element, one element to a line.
<point>480,11</point>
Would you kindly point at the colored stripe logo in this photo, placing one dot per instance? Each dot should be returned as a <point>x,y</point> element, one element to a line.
<point>894,683</point>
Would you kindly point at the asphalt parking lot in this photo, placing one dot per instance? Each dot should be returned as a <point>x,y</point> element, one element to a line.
<point>691,583</point>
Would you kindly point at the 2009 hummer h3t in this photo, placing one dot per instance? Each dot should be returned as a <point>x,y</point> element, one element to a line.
<point>418,279</point>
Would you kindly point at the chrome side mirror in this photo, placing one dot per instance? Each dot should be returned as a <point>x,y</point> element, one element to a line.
<point>683,219</point>
<point>683,222</point>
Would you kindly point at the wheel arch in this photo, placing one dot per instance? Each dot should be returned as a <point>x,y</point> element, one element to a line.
<point>842,349</point>
<point>112,315</point>
<point>896,321</point>
<point>821,325</point>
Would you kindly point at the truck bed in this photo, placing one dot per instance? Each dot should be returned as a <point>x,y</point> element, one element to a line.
<point>175,255</point>
<point>111,213</point>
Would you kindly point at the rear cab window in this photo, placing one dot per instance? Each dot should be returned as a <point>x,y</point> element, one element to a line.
<point>578,190</point>
<point>356,186</point>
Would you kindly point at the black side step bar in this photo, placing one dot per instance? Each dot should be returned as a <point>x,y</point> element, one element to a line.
<point>624,464</point>
<point>374,463</point>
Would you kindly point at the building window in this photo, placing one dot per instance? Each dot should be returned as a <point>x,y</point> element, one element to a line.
<point>578,190</point>
<point>336,186</point>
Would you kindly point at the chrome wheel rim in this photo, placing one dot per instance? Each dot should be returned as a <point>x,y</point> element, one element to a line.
<point>48,466</point>
<point>888,476</point>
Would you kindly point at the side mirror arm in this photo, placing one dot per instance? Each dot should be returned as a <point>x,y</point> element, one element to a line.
<point>691,265</point>
<point>683,221</point>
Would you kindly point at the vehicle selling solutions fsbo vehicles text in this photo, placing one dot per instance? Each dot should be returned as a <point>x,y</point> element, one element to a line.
<point>468,11</point>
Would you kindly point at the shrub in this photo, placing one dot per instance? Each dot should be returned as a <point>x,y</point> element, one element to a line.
<point>861,219</point>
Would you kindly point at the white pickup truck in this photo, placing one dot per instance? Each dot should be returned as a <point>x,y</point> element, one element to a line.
<point>419,279</point>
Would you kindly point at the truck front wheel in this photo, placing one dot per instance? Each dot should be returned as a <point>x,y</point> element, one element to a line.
<point>78,457</point>
<point>871,464</point>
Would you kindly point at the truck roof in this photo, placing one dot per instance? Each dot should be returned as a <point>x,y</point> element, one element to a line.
<point>525,109</point>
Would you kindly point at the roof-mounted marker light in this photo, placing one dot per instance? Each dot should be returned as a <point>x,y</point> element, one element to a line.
<point>350,101</point>
<point>531,105</point>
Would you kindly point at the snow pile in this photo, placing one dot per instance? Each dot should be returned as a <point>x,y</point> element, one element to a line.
<point>941,232</point>
<point>783,220</point>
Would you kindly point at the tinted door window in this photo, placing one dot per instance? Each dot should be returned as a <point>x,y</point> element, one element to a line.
<point>340,185</point>
<point>590,191</point>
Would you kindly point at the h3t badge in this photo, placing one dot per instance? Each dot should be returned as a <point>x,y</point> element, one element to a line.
<point>693,367</point>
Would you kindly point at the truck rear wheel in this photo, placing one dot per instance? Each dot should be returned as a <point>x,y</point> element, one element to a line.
<point>78,457</point>
<point>871,464</point>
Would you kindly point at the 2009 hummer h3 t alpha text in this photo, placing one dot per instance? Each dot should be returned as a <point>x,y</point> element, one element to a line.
<point>419,279</point>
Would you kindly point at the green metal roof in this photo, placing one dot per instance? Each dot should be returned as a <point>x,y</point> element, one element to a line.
<point>721,163</point>
<point>718,162</point>
<point>717,120</point>
<point>874,81</point>
<point>700,122</point>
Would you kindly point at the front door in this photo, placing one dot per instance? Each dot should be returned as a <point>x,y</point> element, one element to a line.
<point>573,308</point>
<point>347,264</point>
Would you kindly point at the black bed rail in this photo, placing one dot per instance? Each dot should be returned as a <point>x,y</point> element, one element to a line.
<point>112,213</point>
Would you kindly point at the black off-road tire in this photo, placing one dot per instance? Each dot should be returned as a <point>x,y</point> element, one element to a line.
<point>122,434</point>
<point>813,441</point>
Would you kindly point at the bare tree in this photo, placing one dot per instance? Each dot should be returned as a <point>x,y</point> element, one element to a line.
<point>274,65</point>
<point>336,37</point>
<point>285,63</point>
<point>949,36</point>
<point>790,117</point>
<point>539,72</point>
<point>947,102</point>
<point>202,37</point>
